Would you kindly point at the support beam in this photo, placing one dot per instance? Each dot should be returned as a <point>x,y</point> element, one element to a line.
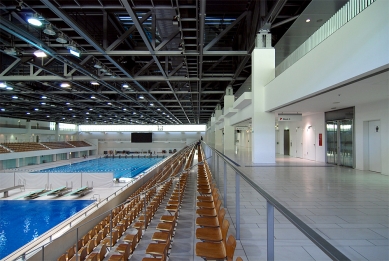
<point>217,38</point>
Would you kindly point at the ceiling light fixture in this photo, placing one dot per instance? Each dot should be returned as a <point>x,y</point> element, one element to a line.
<point>125,85</point>
<point>65,85</point>
<point>98,65</point>
<point>34,20</point>
<point>10,51</point>
<point>44,97</point>
<point>93,97</point>
<point>36,109</point>
<point>9,88</point>
<point>40,53</point>
<point>94,83</point>
<point>61,39</point>
<point>308,20</point>
<point>3,84</point>
<point>2,109</point>
<point>141,97</point>
<point>15,97</point>
<point>103,70</point>
<point>49,30</point>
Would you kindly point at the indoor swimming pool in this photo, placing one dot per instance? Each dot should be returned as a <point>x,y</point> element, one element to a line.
<point>22,221</point>
<point>121,167</point>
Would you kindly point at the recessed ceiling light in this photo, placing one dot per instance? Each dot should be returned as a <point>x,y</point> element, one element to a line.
<point>308,20</point>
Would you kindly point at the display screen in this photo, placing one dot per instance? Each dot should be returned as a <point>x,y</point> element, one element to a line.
<point>142,137</point>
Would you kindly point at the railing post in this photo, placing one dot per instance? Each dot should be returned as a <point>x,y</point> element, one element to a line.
<point>270,231</point>
<point>43,253</point>
<point>237,204</point>
<point>145,206</point>
<point>217,171</point>
<point>77,244</point>
<point>225,185</point>
<point>111,226</point>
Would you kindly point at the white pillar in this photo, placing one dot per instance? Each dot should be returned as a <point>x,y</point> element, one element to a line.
<point>38,160</point>
<point>263,136</point>
<point>212,130</point>
<point>56,131</point>
<point>229,131</point>
<point>218,133</point>
<point>17,163</point>
<point>54,157</point>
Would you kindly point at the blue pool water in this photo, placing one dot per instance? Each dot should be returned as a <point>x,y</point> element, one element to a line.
<point>21,221</point>
<point>121,168</point>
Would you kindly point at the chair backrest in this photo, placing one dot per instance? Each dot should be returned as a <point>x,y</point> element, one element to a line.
<point>218,204</point>
<point>70,253</point>
<point>83,254</point>
<point>230,247</point>
<point>103,252</point>
<point>99,238</point>
<point>91,246</point>
<point>139,234</point>
<point>224,229</point>
<point>62,258</point>
<point>115,237</point>
<point>221,215</point>
<point>239,258</point>
<point>127,252</point>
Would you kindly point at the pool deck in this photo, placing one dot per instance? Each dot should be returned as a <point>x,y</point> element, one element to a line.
<point>99,193</point>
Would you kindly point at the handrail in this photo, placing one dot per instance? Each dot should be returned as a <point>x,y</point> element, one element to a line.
<point>318,240</point>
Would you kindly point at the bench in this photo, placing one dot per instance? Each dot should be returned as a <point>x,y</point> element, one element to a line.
<point>5,190</point>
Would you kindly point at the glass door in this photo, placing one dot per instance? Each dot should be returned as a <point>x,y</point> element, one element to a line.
<point>332,142</point>
<point>346,143</point>
<point>340,142</point>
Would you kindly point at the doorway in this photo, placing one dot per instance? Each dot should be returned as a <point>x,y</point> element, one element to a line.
<point>286,142</point>
<point>375,146</point>
<point>340,142</point>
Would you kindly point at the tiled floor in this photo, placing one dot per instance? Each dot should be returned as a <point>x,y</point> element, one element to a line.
<point>347,207</point>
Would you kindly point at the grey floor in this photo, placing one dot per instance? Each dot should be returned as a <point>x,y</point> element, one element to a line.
<point>347,207</point>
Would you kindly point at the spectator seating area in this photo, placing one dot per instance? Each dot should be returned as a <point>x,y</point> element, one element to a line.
<point>24,146</point>
<point>32,146</point>
<point>78,143</point>
<point>57,145</point>
<point>3,150</point>
<point>120,233</point>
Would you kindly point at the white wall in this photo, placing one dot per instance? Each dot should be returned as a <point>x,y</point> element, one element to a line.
<point>310,137</point>
<point>363,114</point>
<point>161,141</point>
<point>360,46</point>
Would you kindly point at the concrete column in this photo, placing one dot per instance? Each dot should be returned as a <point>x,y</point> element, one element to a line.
<point>263,136</point>
<point>38,160</point>
<point>17,163</point>
<point>54,157</point>
<point>212,131</point>
<point>28,130</point>
<point>218,133</point>
<point>56,131</point>
<point>68,155</point>
<point>229,131</point>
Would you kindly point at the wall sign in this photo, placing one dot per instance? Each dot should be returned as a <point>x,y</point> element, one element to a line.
<point>290,117</point>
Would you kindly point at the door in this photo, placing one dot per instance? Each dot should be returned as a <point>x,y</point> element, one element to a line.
<point>299,142</point>
<point>375,146</point>
<point>286,142</point>
<point>346,143</point>
<point>332,142</point>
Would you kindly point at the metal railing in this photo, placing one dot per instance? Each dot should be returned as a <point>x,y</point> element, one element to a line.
<point>340,18</point>
<point>271,203</point>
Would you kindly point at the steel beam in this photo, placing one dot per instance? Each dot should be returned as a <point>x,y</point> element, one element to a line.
<point>228,28</point>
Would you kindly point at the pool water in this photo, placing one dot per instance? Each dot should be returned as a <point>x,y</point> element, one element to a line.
<point>121,168</point>
<point>22,221</point>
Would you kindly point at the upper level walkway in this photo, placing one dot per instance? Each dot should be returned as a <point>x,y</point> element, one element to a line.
<point>347,207</point>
